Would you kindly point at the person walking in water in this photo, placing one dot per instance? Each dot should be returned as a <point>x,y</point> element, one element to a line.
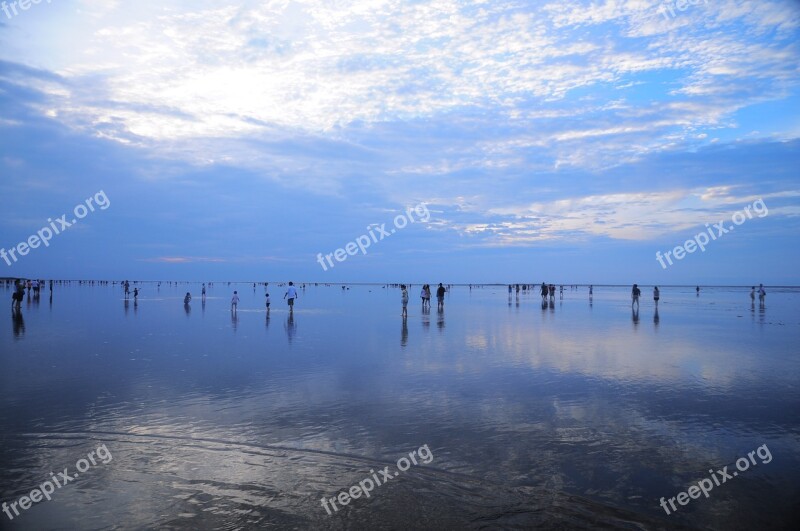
<point>18,295</point>
<point>188,298</point>
<point>235,301</point>
<point>544,292</point>
<point>635,292</point>
<point>426,296</point>
<point>762,295</point>
<point>291,294</point>
<point>440,291</point>
<point>753,295</point>
<point>656,295</point>
<point>267,296</point>
<point>135,294</point>
<point>404,299</point>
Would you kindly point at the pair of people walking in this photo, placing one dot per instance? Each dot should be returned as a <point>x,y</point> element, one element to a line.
<point>636,293</point>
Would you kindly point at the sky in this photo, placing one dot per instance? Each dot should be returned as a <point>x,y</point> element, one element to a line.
<point>458,141</point>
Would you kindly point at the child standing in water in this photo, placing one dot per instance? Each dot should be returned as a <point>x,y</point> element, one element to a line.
<point>656,294</point>
<point>267,296</point>
<point>404,299</point>
<point>187,298</point>
<point>234,301</point>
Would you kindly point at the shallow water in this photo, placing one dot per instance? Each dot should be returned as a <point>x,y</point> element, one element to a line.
<point>574,415</point>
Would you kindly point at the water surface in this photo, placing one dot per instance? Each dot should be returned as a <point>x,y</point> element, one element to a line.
<point>579,414</point>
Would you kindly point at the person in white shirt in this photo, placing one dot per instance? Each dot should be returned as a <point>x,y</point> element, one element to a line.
<point>291,294</point>
<point>234,301</point>
<point>404,300</point>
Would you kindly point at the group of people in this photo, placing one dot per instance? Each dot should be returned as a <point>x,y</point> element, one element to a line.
<point>636,293</point>
<point>425,295</point>
<point>289,296</point>
<point>34,287</point>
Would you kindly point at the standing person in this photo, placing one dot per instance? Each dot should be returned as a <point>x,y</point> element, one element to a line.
<point>697,290</point>
<point>422,295</point>
<point>19,294</point>
<point>267,296</point>
<point>187,299</point>
<point>544,292</point>
<point>656,295</point>
<point>635,292</point>
<point>552,292</point>
<point>203,291</point>
<point>235,301</point>
<point>590,291</point>
<point>440,291</point>
<point>404,299</point>
<point>561,292</point>
<point>291,293</point>
<point>753,295</point>
<point>762,294</point>
<point>135,294</point>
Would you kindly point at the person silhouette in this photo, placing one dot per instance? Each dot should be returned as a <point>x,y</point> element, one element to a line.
<point>635,293</point>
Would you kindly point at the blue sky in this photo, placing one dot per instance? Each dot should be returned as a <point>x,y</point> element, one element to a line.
<point>565,141</point>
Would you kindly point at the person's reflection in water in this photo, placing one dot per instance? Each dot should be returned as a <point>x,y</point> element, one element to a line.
<point>544,304</point>
<point>635,311</point>
<point>426,320</point>
<point>291,327</point>
<point>266,322</point>
<point>552,305</point>
<point>234,319</point>
<point>203,305</point>
<point>126,307</point>
<point>135,306</point>
<point>440,319</point>
<point>655,317</point>
<point>404,333</point>
<point>18,322</point>
<point>186,308</point>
